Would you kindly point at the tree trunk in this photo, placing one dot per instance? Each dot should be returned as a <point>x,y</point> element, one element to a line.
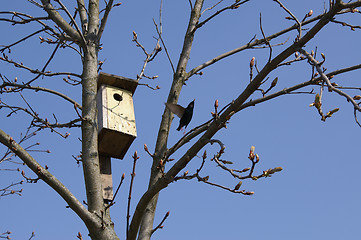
<point>104,228</point>
<point>180,77</point>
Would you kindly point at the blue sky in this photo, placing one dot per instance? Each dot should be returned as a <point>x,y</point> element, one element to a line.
<point>316,196</point>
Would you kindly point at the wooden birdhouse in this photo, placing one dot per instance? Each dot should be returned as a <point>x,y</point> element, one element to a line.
<point>116,119</point>
<point>116,124</point>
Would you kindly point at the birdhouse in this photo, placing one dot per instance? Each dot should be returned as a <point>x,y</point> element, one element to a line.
<point>116,119</point>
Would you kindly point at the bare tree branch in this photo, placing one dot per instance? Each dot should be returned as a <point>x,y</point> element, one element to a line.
<point>103,22</point>
<point>135,158</point>
<point>151,196</point>
<point>83,16</point>
<point>250,45</point>
<point>159,31</point>
<point>324,77</point>
<point>5,58</point>
<point>60,21</point>
<point>72,21</point>
<point>293,17</point>
<point>47,177</point>
<point>23,86</point>
<point>160,226</point>
<point>264,37</point>
<point>223,118</point>
<point>232,6</point>
<point>21,40</point>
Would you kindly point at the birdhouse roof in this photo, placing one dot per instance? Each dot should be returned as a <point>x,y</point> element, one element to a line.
<point>117,81</point>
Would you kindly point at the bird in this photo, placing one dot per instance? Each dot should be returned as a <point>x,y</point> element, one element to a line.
<point>185,114</point>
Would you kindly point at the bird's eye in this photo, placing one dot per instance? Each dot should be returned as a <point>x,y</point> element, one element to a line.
<point>117,97</point>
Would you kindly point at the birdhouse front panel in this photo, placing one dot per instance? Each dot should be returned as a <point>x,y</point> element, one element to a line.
<point>116,120</point>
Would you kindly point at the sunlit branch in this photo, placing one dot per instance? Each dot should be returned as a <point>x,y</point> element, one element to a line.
<point>210,8</point>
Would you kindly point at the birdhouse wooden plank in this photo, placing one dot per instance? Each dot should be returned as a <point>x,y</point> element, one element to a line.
<point>116,118</point>
<point>117,81</point>
<point>106,177</point>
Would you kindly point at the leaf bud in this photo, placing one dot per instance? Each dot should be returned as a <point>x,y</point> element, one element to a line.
<point>204,154</point>
<point>309,14</point>
<point>277,169</point>
<point>253,148</point>
<point>274,82</point>
<point>135,36</point>
<point>251,64</point>
<point>249,193</point>
<point>329,114</point>
<point>238,185</point>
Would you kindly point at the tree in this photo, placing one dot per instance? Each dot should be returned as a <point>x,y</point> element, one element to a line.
<point>80,31</point>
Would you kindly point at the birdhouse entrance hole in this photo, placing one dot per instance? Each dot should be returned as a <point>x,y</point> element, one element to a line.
<point>117,97</point>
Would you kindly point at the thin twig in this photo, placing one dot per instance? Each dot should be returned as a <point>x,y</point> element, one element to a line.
<point>293,16</point>
<point>74,22</point>
<point>36,71</point>
<point>210,8</point>
<point>24,86</point>
<point>264,37</point>
<point>103,22</point>
<point>135,158</point>
<point>232,6</point>
<point>324,77</point>
<point>23,39</point>
<point>160,225</point>
<point>249,45</point>
<point>165,47</point>
<point>190,3</point>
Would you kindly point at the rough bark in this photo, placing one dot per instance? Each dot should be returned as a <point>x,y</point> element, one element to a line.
<point>90,157</point>
<point>89,126</point>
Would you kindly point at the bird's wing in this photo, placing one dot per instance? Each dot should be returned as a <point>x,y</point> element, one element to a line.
<point>176,109</point>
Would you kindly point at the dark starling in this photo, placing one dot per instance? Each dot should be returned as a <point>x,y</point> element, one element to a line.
<point>185,114</point>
